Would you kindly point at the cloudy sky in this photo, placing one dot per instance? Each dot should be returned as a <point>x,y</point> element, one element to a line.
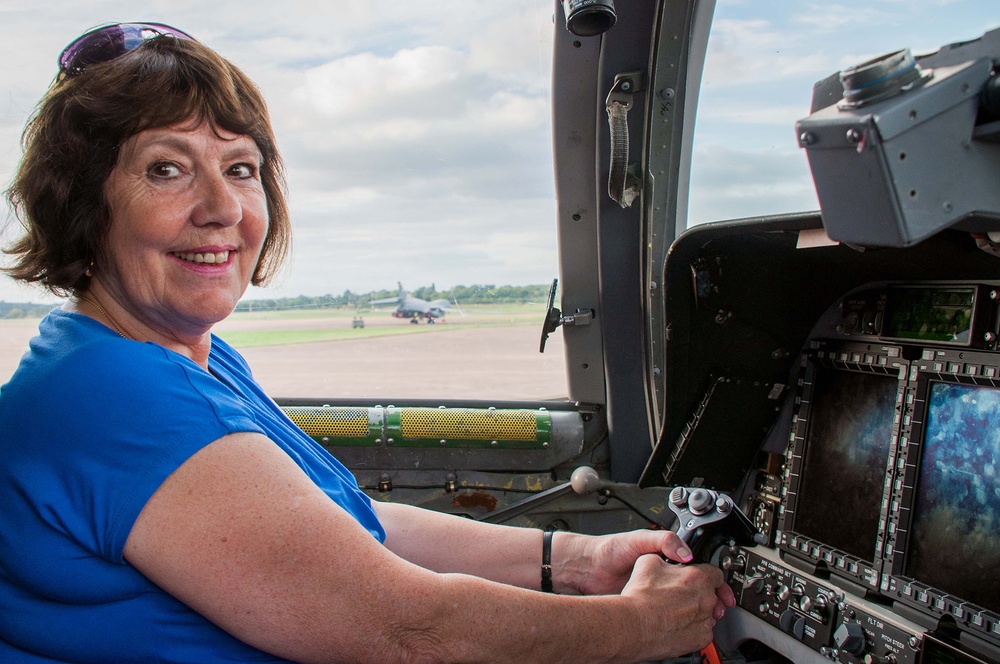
<point>417,134</point>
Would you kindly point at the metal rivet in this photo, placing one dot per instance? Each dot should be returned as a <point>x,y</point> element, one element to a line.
<point>807,138</point>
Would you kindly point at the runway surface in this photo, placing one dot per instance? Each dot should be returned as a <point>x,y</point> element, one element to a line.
<point>454,362</point>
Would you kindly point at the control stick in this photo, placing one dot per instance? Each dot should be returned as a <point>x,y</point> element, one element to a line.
<point>706,519</point>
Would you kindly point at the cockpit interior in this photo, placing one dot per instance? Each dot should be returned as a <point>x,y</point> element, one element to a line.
<point>812,398</point>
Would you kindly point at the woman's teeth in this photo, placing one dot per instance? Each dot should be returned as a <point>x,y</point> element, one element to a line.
<point>220,257</point>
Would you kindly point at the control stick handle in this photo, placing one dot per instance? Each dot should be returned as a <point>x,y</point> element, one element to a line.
<point>585,480</point>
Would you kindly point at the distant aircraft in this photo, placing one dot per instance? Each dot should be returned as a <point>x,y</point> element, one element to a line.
<point>414,308</point>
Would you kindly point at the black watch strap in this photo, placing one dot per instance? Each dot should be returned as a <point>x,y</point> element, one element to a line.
<point>547,561</point>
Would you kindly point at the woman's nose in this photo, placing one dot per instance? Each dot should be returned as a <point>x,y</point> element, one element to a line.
<point>218,203</point>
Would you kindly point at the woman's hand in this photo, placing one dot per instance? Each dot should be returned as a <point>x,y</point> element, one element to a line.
<point>678,602</point>
<point>603,565</point>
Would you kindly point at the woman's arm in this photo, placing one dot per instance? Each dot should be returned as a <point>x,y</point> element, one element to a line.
<point>581,564</point>
<point>241,534</point>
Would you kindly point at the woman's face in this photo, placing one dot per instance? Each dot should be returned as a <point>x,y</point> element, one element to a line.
<point>188,219</point>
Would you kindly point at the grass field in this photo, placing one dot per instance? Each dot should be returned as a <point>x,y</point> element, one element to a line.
<point>253,338</point>
<point>277,328</point>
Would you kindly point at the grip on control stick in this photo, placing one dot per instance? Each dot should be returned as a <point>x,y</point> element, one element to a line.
<point>706,519</point>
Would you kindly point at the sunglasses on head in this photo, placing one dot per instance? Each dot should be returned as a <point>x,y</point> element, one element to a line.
<point>108,42</point>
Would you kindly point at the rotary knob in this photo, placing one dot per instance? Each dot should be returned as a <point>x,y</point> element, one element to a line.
<point>792,623</point>
<point>849,637</point>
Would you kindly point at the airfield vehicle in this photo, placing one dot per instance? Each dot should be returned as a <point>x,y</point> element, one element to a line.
<point>810,398</point>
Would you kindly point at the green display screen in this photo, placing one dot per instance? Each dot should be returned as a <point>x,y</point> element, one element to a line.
<point>930,314</point>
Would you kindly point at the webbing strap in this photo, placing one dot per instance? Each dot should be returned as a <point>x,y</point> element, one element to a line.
<point>618,120</point>
<point>622,189</point>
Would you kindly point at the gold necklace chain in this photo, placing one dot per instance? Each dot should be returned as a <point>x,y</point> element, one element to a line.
<point>106,315</point>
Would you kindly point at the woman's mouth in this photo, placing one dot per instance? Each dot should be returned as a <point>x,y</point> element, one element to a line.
<point>203,257</point>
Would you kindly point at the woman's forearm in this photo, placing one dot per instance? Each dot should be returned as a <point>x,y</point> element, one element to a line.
<point>506,554</point>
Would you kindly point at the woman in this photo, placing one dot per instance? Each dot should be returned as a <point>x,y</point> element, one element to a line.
<point>158,506</point>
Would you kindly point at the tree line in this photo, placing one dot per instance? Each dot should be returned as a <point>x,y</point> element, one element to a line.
<point>475,294</point>
<point>24,309</point>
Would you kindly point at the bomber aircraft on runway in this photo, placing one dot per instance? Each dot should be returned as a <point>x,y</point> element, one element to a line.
<point>415,308</point>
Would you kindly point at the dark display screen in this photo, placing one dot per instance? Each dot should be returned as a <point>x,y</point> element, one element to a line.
<point>932,314</point>
<point>954,542</point>
<point>850,429</point>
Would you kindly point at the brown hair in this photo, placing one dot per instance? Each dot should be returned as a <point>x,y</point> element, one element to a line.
<point>71,145</point>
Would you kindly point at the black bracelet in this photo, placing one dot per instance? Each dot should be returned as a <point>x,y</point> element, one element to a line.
<point>547,561</point>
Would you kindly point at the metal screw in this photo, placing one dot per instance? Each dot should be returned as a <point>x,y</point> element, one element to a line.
<point>989,336</point>
<point>946,206</point>
<point>807,138</point>
<point>626,86</point>
<point>853,135</point>
<point>667,93</point>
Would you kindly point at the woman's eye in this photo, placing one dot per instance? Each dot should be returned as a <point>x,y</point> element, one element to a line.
<point>164,170</point>
<point>244,171</point>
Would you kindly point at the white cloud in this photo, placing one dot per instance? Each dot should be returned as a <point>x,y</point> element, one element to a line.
<point>355,85</point>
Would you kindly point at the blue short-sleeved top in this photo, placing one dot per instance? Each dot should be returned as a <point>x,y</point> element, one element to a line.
<point>90,426</point>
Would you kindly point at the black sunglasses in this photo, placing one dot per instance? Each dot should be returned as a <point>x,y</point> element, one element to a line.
<point>108,42</point>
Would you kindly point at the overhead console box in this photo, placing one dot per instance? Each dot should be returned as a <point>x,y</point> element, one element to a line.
<point>901,147</point>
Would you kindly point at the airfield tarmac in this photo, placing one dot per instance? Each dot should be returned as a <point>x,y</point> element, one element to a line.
<point>450,360</point>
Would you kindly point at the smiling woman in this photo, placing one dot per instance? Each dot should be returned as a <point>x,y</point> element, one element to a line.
<point>172,510</point>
